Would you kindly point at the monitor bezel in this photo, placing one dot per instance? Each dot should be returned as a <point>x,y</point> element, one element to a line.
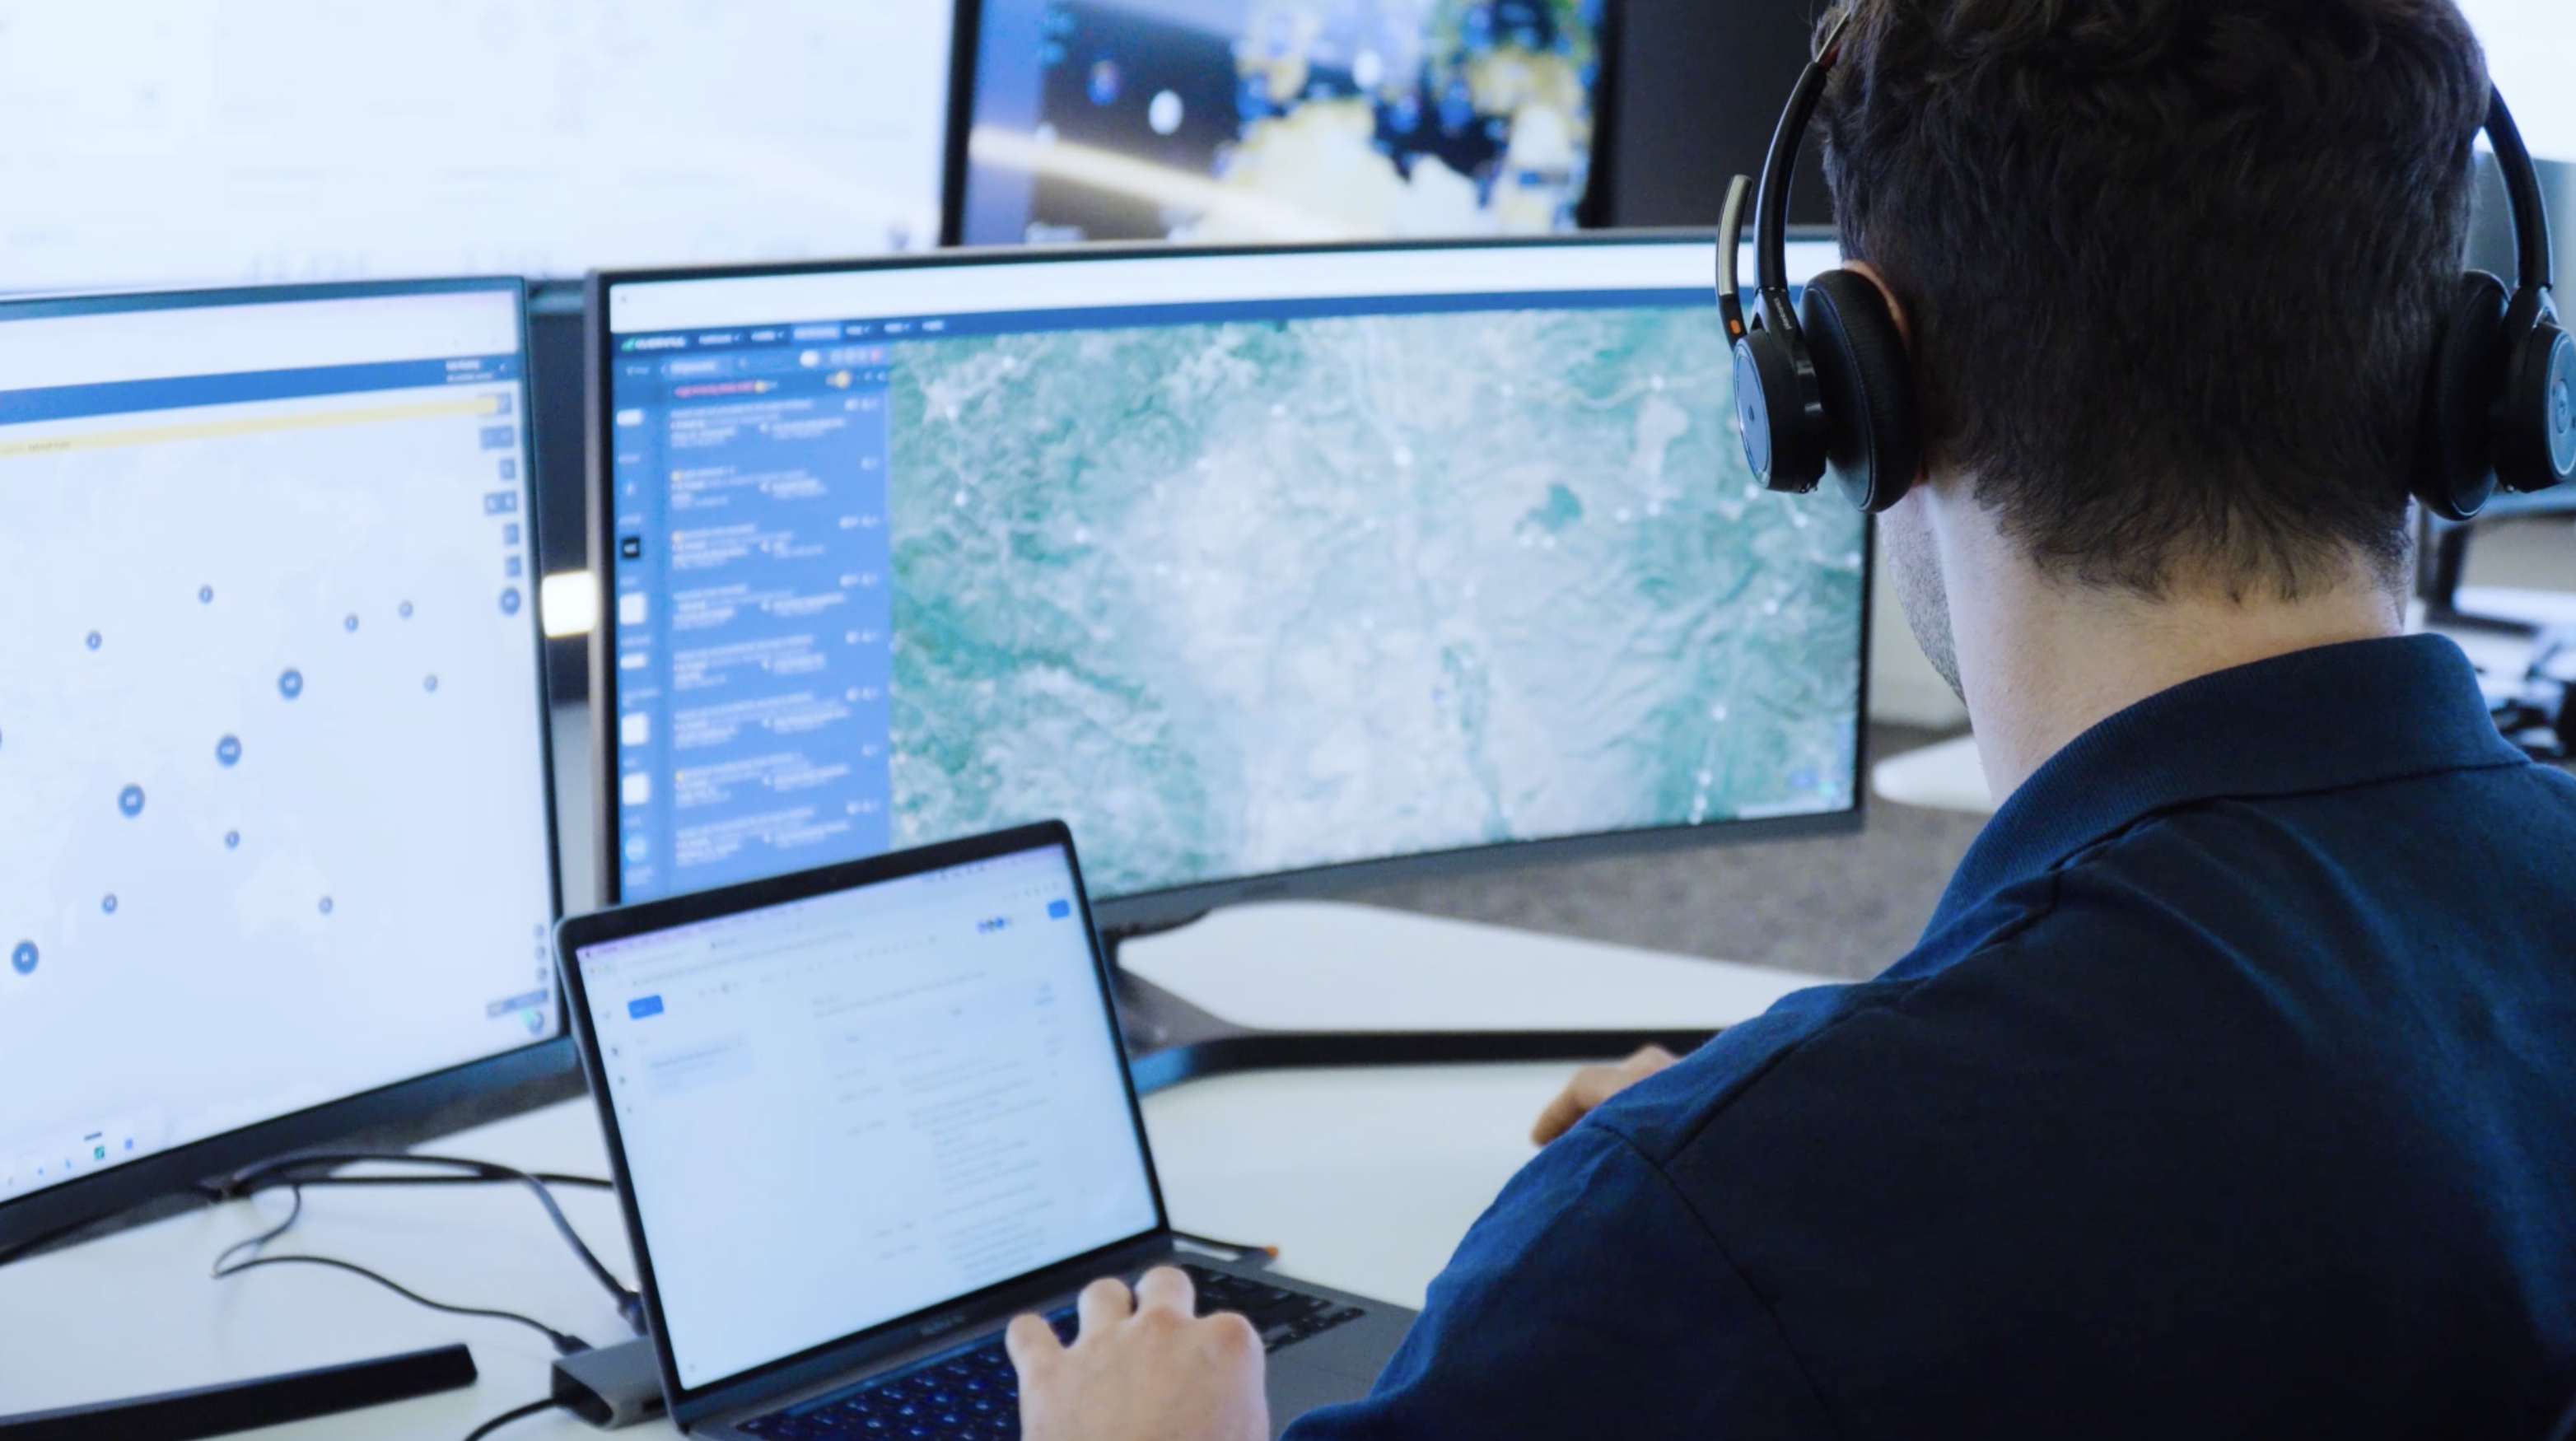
<point>1150,910</point>
<point>895,1333</point>
<point>398,1113</point>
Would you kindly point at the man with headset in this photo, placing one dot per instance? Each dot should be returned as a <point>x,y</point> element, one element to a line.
<point>2232,1087</point>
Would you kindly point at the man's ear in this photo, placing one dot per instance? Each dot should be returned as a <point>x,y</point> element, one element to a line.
<point>1895,307</point>
<point>1905,336</point>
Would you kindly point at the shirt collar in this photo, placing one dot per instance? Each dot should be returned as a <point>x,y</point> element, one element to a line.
<point>2312,720</point>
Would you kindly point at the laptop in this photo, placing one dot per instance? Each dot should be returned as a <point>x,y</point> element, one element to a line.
<point>862,1116</point>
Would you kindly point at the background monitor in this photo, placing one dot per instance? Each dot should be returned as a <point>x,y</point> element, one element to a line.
<point>1273,120</point>
<point>2531,48</point>
<point>279,859</point>
<point>253,141</point>
<point>1265,569</point>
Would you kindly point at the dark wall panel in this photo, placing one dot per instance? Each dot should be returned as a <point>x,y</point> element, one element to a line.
<point>1698,86</point>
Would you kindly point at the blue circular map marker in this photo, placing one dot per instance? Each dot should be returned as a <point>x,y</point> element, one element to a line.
<point>23,959</point>
<point>350,624</point>
<point>96,640</point>
<point>109,905</point>
<point>130,800</point>
<point>228,751</point>
<point>205,595</point>
<point>430,684</point>
<point>510,601</point>
<point>326,905</point>
<point>403,610</point>
<point>291,684</point>
<point>232,840</point>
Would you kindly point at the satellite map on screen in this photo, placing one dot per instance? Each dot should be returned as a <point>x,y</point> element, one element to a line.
<point>1254,596</point>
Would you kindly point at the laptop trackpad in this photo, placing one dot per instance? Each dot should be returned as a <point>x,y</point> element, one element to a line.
<point>1334,1366</point>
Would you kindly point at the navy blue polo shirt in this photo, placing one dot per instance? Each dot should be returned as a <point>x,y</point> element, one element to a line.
<point>2231,1092</point>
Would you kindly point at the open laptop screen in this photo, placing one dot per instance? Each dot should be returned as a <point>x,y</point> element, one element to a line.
<point>847,1109</point>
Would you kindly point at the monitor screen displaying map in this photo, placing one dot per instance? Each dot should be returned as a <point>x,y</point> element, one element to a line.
<point>1279,120</point>
<point>1244,564</point>
<point>272,739</point>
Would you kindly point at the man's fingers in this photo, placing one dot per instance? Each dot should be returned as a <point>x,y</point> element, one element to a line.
<point>1559,1113</point>
<point>1104,1304</point>
<point>1580,1095</point>
<point>1231,1340</point>
<point>1593,1085</point>
<point>1165,1288</point>
<point>1032,1344</point>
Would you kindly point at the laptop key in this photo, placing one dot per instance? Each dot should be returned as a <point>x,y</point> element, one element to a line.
<point>1283,1315</point>
<point>975,1396</point>
<point>971,1396</point>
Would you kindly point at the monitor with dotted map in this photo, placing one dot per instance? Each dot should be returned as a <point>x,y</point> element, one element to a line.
<point>1268,570</point>
<point>273,753</point>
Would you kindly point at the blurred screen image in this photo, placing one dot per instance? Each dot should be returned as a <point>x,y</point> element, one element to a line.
<point>1270,120</point>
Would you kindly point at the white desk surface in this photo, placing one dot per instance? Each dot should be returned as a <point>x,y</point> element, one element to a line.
<point>1365,1179</point>
<point>1948,775</point>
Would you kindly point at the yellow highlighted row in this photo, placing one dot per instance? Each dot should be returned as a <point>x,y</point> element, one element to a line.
<point>248,425</point>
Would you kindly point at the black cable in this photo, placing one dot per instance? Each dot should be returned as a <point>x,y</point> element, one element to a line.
<point>564,1343</point>
<point>215,1195</point>
<point>285,1171</point>
<point>533,1408</point>
<point>551,1178</point>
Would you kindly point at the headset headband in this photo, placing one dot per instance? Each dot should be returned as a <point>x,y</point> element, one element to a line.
<point>1823,386</point>
<point>1771,203</point>
<point>2522,188</point>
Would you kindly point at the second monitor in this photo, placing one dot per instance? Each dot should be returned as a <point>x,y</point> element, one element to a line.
<point>1263,568</point>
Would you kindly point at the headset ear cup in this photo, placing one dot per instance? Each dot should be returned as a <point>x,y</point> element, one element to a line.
<point>2455,469</point>
<point>2536,417</point>
<point>1873,445</point>
<point>1781,444</point>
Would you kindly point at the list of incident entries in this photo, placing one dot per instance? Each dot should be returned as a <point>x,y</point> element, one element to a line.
<point>754,623</point>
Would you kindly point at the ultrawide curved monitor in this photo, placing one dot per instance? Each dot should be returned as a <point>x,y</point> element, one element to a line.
<point>279,853</point>
<point>1269,570</point>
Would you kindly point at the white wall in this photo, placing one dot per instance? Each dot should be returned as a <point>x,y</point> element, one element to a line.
<point>1903,687</point>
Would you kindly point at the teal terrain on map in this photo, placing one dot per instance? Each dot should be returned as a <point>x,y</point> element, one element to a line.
<point>1240,598</point>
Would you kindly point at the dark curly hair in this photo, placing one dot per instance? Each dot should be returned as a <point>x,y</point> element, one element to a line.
<point>2174,267</point>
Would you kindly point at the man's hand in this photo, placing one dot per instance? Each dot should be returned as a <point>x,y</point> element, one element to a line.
<point>1142,1368</point>
<point>1591,1086</point>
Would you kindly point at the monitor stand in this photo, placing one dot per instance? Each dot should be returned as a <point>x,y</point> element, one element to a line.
<point>1349,985</point>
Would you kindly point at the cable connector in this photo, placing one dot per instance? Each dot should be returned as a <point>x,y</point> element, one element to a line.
<point>610,1386</point>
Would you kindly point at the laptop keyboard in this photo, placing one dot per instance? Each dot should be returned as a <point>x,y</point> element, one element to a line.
<point>974,1395</point>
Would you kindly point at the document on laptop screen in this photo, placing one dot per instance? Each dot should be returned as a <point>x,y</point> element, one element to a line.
<point>851,1108</point>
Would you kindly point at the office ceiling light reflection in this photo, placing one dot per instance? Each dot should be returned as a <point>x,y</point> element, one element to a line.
<point>569,602</point>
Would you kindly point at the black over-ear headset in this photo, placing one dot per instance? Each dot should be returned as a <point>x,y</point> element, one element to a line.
<point>1823,385</point>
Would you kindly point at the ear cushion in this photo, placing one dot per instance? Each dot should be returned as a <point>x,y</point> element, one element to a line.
<point>2455,456</point>
<point>1874,444</point>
